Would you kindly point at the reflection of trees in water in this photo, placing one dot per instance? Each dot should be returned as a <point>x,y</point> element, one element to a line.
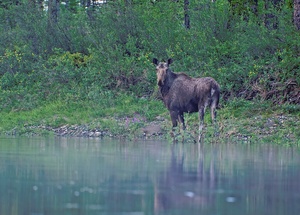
<point>172,190</point>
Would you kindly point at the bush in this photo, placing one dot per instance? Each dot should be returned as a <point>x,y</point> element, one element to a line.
<point>108,50</point>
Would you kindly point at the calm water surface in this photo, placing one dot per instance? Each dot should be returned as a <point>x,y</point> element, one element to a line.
<point>40,176</point>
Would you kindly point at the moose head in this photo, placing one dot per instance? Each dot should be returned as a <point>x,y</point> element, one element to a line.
<point>161,70</point>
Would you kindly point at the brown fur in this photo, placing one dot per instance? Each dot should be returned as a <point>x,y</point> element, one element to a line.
<point>184,94</point>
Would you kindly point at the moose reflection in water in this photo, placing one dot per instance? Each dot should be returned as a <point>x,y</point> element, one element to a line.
<point>183,94</point>
<point>172,193</point>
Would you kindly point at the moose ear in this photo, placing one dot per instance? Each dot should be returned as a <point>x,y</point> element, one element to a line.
<point>155,61</point>
<point>170,61</point>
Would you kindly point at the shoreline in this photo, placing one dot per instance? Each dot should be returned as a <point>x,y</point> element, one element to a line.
<point>276,128</point>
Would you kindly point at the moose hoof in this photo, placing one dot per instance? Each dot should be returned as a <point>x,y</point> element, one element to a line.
<point>172,134</point>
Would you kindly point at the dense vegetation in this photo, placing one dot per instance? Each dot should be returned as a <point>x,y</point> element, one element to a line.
<point>79,52</point>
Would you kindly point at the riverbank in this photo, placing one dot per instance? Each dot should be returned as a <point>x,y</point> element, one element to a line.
<point>239,121</point>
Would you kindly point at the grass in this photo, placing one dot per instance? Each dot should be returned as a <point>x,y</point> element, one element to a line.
<point>103,115</point>
<point>263,122</point>
<point>239,121</point>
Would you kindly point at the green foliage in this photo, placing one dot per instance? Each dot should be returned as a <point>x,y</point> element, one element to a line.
<point>105,51</point>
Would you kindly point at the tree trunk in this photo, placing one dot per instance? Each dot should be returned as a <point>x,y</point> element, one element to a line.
<point>53,7</point>
<point>297,14</point>
<point>186,14</point>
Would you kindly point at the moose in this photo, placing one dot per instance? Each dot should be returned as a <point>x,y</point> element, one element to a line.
<point>184,94</point>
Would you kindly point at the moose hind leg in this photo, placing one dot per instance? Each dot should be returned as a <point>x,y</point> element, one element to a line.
<point>201,122</point>
<point>214,119</point>
<point>213,109</point>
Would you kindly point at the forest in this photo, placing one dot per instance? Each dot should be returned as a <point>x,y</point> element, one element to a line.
<point>95,52</point>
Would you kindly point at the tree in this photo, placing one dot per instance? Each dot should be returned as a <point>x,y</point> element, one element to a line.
<point>297,14</point>
<point>53,8</point>
<point>186,14</point>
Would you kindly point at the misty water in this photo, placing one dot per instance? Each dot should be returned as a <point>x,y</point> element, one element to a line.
<point>40,176</point>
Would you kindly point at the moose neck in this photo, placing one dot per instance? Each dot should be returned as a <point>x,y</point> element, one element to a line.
<point>164,89</point>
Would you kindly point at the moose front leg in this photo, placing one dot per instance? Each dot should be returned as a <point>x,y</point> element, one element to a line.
<point>186,135</point>
<point>174,117</point>
<point>181,120</point>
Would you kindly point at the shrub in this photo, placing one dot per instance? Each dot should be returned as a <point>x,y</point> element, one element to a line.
<point>90,54</point>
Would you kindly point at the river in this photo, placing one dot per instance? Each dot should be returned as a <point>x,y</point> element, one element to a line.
<point>55,175</point>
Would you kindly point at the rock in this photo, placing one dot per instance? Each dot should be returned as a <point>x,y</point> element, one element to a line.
<point>160,118</point>
<point>97,134</point>
<point>151,130</point>
<point>270,123</point>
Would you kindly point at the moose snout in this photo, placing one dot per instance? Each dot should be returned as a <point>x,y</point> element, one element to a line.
<point>160,83</point>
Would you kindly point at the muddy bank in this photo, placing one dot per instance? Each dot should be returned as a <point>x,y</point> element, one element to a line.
<point>279,129</point>
<point>154,129</point>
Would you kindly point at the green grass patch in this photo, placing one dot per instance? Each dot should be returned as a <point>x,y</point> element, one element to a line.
<point>239,121</point>
<point>125,112</point>
<point>260,122</point>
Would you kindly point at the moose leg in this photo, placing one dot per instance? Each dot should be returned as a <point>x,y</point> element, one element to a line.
<point>213,114</point>
<point>174,118</point>
<point>186,135</point>
<point>201,122</point>
<point>214,118</point>
<point>181,120</point>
